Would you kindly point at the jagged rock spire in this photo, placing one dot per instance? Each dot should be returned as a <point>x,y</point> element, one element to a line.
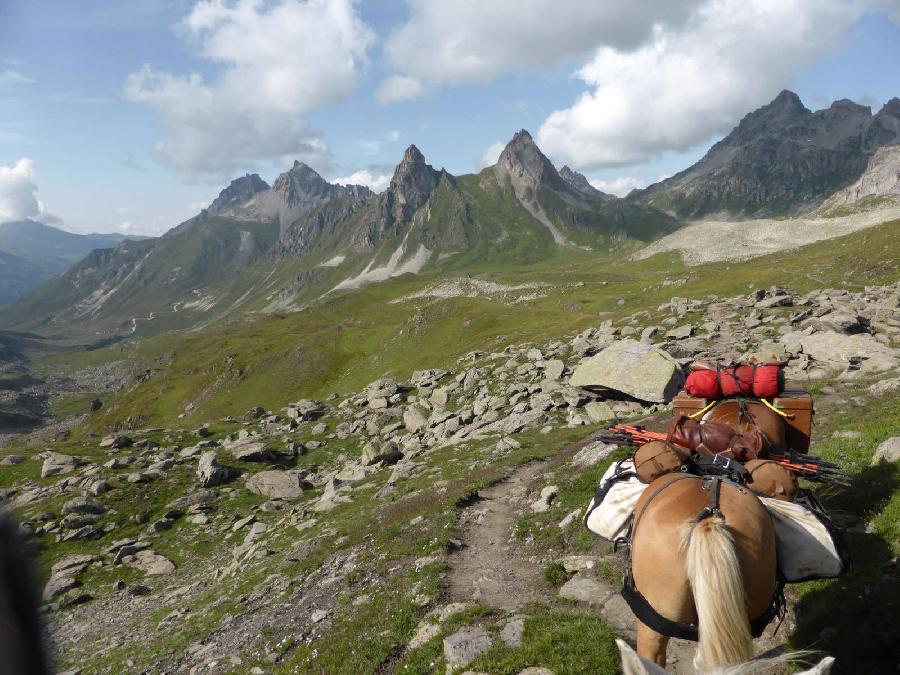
<point>413,181</point>
<point>239,191</point>
<point>523,161</point>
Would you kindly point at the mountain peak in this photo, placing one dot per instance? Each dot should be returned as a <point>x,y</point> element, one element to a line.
<point>238,191</point>
<point>580,182</point>
<point>523,160</point>
<point>891,108</point>
<point>413,181</point>
<point>413,155</point>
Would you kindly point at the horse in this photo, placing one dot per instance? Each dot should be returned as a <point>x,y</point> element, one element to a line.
<point>703,566</point>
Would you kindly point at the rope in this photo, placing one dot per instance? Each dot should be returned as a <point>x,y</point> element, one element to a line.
<point>773,408</point>
<point>700,413</point>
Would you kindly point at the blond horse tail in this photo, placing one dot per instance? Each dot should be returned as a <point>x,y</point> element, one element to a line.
<point>718,588</point>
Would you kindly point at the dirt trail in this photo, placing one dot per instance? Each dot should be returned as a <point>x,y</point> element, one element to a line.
<point>498,571</point>
<point>492,567</point>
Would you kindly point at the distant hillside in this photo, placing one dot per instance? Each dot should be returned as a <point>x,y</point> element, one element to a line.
<point>781,159</point>
<point>264,249</point>
<point>31,253</point>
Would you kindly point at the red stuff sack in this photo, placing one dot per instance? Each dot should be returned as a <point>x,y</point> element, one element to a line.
<point>703,384</point>
<point>736,381</point>
<point>768,380</point>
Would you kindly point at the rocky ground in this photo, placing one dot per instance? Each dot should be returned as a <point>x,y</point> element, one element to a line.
<point>416,524</point>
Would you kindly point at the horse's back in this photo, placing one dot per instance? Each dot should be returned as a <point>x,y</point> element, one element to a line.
<point>667,508</point>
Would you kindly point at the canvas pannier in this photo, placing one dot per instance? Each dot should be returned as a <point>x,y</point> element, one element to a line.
<point>612,507</point>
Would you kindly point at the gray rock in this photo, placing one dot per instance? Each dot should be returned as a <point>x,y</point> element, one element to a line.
<point>149,562</point>
<point>633,368</point>
<point>599,411</point>
<point>194,499</point>
<point>836,351</point>
<point>376,451</point>
<point>586,589</point>
<point>681,332</point>
<point>593,454</point>
<point>57,464</point>
<point>278,484</point>
<point>547,496</point>
<point>535,670</point>
<point>85,504</point>
<point>251,451</point>
<point>57,585</point>
<point>887,451</point>
<point>465,645</point>
<point>208,470</point>
<point>554,369</point>
<point>12,460</point>
<point>511,635</point>
<point>414,419</point>
<point>116,441</point>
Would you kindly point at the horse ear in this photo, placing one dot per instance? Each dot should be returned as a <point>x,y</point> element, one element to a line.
<point>632,664</point>
<point>823,667</point>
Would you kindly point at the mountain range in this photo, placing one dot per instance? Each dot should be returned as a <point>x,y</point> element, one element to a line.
<point>31,253</point>
<point>261,248</point>
<point>781,159</point>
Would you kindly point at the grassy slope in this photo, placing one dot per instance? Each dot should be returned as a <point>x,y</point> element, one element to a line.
<point>341,345</point>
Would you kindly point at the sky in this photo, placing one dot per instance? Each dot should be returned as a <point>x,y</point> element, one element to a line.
<point>132,116</point>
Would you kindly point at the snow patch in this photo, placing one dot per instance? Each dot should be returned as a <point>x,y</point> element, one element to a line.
<point>336,261</point>
<point>393,268</point>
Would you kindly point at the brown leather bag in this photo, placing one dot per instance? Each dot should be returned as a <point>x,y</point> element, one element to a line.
<point>715,438</point>
<point>657,458</point>
<point>770,479</point>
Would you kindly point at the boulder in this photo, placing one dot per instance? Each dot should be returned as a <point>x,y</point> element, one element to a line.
<point>414,419</point>
<point>376,451</point>
<point>599,411</point>
<point>466,645</point>
<point>56,464</point>
<point>633,368</point>
<point>85,504</point>
<point>544,501</point>
<point>12,460</point>
<point>587,590</point>
<point>251,451</point>
<point>593,454</point>
<point>837,351</point>
<point>887,451</point>
<point>554,369</point>
<point>208,470</point>
<point>149,562</point>
<point>116,441</point>
<point>278,484</point>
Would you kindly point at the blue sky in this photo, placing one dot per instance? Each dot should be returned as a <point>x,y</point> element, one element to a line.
<point>100,100</point>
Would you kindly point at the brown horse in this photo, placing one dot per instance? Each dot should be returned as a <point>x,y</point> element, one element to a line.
<point>703,555</point>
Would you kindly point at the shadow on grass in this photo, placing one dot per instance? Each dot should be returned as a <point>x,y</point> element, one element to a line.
<point>856,618</point>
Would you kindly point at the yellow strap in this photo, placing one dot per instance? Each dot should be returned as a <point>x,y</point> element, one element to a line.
<point>772,407</point>
<point>699,413</point>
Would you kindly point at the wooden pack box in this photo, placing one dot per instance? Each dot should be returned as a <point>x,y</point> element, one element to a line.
<point>797,404</point>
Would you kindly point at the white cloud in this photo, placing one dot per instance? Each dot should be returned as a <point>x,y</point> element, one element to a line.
<point>448,43</point>
<point>690,83</point>
<point>377,183</point>
<point>373,147</point>
<point>278,62</point>
<point>491,155</point>
<point>399,88</point>
<point>17,194</point>
<point>10,77</point>
<point>619,186</point>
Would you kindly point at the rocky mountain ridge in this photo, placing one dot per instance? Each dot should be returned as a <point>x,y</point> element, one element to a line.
<point>780,159</point>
